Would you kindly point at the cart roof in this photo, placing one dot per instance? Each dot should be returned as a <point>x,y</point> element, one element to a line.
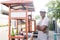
<point>20,4</point>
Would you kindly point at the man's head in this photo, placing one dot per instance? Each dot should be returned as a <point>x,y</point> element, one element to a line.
<point>42,13</point>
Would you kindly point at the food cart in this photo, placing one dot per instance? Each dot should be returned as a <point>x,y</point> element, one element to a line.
<point>18,7</point>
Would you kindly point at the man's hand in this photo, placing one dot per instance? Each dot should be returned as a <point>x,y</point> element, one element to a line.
<point>44,28</point>
<point>38,28</point>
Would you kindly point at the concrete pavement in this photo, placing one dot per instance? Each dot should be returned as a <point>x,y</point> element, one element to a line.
<point>4,34</point>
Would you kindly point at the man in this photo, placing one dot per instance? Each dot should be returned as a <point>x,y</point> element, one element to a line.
<point>42,26</point>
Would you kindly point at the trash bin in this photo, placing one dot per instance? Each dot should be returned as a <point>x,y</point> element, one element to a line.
<point>56,36</point>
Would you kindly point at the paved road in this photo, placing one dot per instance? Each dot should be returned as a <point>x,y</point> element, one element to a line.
<point>4,34</point>
<point>51,35</point>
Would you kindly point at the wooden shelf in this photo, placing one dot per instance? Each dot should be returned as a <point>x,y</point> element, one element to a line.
<point>18,10</point>
<point>17,18</point>
<point>16,36</point>
<point>12,10</point>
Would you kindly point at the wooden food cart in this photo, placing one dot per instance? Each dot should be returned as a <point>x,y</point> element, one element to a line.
<point>20,6</point>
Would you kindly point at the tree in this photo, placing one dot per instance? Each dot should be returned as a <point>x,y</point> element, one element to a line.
<point>37,17</point>
<point>54,8</point>
<point>53,11</point>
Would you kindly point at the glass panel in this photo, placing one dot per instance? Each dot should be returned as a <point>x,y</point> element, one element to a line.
<point>33,28</point>
<point>32,25</point>
<point>13,26</point>
<point>18,14</point>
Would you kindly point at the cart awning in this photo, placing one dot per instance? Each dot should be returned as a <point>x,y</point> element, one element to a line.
<point>20,4</point>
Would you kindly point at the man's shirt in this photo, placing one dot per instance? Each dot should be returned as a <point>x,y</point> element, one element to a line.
<point>41,34</point>
<point>44,21</point>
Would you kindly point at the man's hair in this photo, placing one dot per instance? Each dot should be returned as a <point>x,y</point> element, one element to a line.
<point>42,11</point>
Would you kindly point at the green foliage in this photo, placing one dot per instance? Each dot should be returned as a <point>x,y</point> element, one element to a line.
<point>54,8</point>
<point>16,31</point>
<point>3,25</point>
<point>51,26</point>
<point>37,17</point>
<point>50,16</point>
<point>12,32</point>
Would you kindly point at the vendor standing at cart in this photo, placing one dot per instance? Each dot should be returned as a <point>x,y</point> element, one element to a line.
<point>42,26</point>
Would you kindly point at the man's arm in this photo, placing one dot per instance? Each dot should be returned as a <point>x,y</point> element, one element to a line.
<point>41,28</point>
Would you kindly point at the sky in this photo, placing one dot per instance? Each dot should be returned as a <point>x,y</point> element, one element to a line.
<point>38,5</point>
